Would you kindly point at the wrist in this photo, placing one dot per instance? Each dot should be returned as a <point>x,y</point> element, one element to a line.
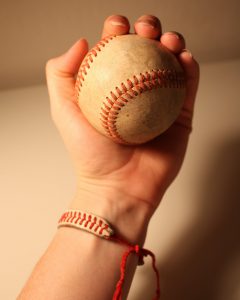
<point>128,216</point>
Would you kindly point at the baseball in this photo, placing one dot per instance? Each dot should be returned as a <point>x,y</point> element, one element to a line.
<point>130,88</point>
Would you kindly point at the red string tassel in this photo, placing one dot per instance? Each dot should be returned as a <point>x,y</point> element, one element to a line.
<point>141,252</point>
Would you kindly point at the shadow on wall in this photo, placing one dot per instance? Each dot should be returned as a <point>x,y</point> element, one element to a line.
<point>198,265</point>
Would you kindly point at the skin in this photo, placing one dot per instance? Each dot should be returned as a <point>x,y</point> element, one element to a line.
<point>122,184</point>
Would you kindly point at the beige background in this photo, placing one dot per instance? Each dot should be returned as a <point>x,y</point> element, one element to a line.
<point>195,232</point>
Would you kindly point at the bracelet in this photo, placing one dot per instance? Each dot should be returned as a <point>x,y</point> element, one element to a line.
<point>101,228</point>
<point>85,221</point>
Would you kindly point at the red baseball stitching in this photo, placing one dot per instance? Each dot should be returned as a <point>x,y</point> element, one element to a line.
<point>86,221</point>
<point>160,78</point>
<point>89,59</point>
<point>137,85</point>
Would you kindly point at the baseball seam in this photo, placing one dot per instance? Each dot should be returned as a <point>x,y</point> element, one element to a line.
<point>137,85</point>
<point>87,222</point>
<point>88,60</point>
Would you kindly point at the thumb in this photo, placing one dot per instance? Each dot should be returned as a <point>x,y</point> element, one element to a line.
<point>60,73</point>
<point>68,64</point>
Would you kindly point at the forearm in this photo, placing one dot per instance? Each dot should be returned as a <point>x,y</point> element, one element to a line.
<point>79,265</point>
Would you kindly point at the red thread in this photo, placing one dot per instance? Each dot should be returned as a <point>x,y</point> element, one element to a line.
<point>141,252</point>
<point>93,223</point>
<point>135,86</point>
<point>147,81</point>
<point>103,228</point>
<point>78,218</point>
<point>69,216</point>
<point>89,58</point>
<point>84,220</point>
<point>73,216</point>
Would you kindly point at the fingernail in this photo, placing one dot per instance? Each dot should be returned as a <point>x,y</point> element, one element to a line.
<point>117,23</point>
<point>148,24</point>
<point>188,52</point>
<point>173,33</point>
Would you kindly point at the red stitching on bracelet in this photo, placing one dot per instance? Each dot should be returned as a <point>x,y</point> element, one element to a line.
<point>78,218</point>
<point>103,228</point>
<point>126,92</point>
<point>87,222</point>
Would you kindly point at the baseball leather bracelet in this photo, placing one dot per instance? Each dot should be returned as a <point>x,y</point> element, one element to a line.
<point>101,228</point>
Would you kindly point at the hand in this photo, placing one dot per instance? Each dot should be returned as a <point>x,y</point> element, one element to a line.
<point>128,178</point>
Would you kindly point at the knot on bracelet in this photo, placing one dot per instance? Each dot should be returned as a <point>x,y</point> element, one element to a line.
<point>137,249</point>
<point>141,253</point>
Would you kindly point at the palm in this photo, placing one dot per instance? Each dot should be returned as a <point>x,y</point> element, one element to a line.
<point>140,170</point>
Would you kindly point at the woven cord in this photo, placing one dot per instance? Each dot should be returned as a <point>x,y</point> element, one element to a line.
<point>141,252</point>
